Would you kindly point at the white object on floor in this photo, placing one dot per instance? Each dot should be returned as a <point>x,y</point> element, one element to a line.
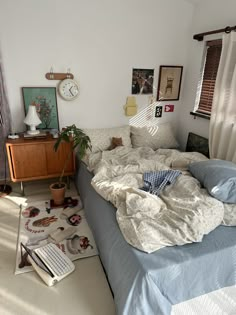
<point>86,293</point>
<point>51,264</point>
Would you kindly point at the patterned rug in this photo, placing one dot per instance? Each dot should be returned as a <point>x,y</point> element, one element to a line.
<point>42,222</point>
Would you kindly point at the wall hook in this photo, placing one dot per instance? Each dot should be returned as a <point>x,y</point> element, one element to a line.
<point>59,76</point>
<point>51,73</point>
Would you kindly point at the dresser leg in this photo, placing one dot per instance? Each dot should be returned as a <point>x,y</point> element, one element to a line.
<point>22,189</point>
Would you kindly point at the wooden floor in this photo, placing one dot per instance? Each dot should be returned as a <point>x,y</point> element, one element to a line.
<point>86,292</point>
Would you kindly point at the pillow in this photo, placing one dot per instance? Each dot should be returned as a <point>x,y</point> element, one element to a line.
<point>115,142</point>
<point>101,138</point>
<point>218,177</point>
<point>155,137</point>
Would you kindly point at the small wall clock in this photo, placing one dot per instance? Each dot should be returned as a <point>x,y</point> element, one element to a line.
<point>68,89</point>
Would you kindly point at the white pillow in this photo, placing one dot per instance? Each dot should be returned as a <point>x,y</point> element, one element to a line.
<point>101,138</point>
<point>155,137</point>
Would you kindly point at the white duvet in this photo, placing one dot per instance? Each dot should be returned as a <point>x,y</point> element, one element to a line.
<point>182,213</point>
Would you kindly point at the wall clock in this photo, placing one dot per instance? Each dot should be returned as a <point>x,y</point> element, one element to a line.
<point>68,89</point>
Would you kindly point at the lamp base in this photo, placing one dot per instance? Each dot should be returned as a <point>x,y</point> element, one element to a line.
<point>5,190</point>
<point>33,132</point>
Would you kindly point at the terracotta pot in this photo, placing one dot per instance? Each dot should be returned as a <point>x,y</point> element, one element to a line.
<point>58,193</point>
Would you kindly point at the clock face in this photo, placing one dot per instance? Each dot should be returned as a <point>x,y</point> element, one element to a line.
<point>68,89</point>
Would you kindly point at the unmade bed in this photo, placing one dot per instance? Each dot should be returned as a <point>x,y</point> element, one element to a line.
<point>150,284</point>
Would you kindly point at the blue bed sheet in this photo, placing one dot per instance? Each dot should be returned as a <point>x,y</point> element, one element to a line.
<point>149,284</point>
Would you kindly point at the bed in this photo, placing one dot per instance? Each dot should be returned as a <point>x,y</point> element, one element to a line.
<point>169,280</point>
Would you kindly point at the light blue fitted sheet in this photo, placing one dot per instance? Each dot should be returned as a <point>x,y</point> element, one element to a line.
<point>149,284</point>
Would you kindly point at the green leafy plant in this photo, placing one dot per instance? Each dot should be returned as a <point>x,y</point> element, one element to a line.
<point>80,141</point>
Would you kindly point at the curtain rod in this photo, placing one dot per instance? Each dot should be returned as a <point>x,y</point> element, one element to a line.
<point>227,29</point>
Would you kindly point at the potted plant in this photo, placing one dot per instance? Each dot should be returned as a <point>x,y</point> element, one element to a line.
<point>81,142</point>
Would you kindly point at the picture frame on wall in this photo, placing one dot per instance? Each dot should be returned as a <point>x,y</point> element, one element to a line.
<point>45,100</point>
<point>142,81</point>
<point>169,83</point>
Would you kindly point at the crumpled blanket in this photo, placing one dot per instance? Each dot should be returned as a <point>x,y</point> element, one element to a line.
<point>183,212</point>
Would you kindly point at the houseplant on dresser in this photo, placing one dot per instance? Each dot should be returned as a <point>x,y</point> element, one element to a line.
<point>81,142</point>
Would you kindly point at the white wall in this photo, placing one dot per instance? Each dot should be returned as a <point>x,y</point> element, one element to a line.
<point>101,41</point>
<point>209,15</point>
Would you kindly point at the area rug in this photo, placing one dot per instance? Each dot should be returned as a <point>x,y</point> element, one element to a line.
<point>66,226</point>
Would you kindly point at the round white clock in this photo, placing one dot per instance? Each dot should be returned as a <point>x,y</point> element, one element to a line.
<point>68,89</point>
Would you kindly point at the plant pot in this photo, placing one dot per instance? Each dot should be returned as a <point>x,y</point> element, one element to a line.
<point>58,193</point>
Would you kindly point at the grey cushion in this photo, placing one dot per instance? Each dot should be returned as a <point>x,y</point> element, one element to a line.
<point>218,177</point>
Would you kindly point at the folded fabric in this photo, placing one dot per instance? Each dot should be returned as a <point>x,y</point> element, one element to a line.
<point>155,182</point>
<point>60,234</point>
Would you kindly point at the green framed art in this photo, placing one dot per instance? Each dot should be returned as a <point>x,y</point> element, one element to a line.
<point>45,100</point>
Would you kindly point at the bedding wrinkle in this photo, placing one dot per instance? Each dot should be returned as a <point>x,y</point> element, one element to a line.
<point>182,213</point>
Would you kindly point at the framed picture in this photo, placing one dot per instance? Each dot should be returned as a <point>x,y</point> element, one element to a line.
<point>158,111</point>
<point>169,83</point>
<point>142,81</point>
<point>45,100</point>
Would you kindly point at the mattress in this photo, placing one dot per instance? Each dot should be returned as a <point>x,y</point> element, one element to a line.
<point>152,283</point>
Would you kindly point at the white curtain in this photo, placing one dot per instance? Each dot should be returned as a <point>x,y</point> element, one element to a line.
<point>222,136</point>
<point>5,123</point>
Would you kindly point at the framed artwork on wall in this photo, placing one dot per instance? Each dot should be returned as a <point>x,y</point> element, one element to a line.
<point>142,81</point>
<point>45,100</point>
<point>169,83</point>
<point>158,111</point>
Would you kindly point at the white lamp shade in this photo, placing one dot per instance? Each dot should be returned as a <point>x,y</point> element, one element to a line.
<point>32,119</point>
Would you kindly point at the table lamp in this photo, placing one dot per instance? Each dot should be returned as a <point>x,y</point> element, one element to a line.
<point>32,120</point>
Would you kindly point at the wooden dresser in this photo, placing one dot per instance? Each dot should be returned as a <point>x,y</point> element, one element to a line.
<point>32,159</point>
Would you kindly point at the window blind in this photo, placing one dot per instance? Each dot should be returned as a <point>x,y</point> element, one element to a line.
<point>212,61</point>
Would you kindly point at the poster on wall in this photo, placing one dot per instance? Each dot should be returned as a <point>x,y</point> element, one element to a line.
<point>158,112</point>
<point>142,81</point>
<point>169,108</point>
<point>169,83</point>
<point>45,100</point>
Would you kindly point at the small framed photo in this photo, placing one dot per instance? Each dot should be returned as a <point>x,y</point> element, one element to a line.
<point>158,111</point>
<point>142,81</point>
<point>45,100</point>
<point>169,83</point>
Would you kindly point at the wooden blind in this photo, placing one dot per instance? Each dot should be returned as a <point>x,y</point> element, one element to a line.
<point>213,54</point>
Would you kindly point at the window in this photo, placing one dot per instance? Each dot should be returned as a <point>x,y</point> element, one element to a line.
<point>207,84</point>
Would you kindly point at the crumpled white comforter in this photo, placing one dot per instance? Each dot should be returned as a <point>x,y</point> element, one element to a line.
<point>183,212</point>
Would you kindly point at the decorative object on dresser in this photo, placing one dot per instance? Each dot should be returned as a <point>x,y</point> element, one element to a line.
<point>32,119</point>
<point>33,159</point>
<point>77,138</point>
